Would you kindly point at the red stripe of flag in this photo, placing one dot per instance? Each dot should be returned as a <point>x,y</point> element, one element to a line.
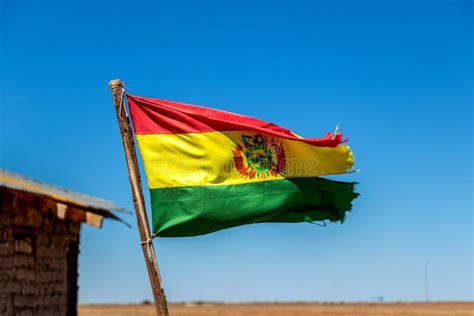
<point>154,116</point>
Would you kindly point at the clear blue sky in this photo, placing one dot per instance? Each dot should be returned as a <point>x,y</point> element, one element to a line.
<point>396,75</point>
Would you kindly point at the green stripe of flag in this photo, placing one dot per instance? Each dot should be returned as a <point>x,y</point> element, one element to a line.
<point>197,210</point>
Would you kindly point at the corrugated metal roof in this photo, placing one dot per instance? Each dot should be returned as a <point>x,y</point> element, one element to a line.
<point>16,181</point>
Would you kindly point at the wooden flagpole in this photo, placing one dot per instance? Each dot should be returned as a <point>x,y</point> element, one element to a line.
<point>118,96</point>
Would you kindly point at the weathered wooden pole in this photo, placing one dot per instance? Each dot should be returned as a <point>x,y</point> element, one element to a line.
<point>135,182</point>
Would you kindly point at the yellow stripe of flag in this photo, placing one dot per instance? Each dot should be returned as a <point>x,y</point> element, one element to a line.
<point>212,158</point>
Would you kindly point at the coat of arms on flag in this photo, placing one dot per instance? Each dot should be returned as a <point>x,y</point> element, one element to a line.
<point>258,157</point>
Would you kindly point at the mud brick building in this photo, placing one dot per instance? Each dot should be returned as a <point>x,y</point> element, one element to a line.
<point>39,244</point>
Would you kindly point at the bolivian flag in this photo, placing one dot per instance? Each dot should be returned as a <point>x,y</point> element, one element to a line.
<point>208,170</point>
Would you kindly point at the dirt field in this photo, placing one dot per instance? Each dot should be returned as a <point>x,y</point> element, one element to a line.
<point>360,309</point>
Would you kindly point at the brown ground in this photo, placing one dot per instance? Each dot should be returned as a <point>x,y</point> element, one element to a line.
<point>359,309</point>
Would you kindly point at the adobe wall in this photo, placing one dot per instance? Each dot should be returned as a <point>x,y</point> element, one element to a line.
<point>34,247</point>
